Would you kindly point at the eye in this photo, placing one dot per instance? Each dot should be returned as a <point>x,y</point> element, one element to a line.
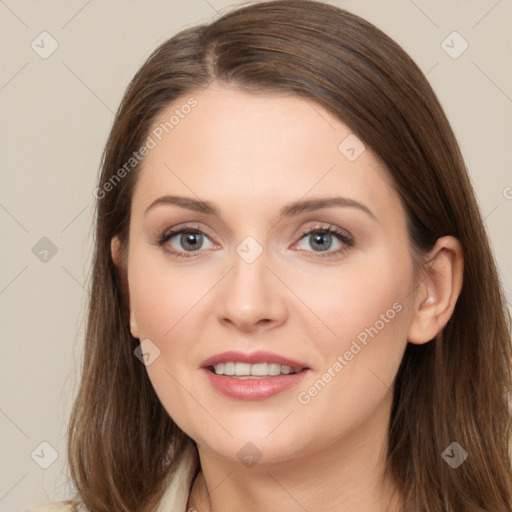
<point>183,240</point>
<point>321,240</point>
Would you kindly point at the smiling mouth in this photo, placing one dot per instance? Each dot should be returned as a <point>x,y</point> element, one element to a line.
<point>240,370</point>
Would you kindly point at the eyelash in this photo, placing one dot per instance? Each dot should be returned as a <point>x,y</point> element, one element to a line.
<point>342,236</point>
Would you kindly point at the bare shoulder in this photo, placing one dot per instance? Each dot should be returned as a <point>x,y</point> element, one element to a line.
<point>58,506</point>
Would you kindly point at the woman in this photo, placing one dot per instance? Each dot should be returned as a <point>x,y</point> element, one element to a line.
<point>295,306</point>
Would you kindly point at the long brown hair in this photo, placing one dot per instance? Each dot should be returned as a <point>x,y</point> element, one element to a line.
<point>455,388</point>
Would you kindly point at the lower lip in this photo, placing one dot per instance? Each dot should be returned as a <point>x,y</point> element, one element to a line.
<point>253,389</point>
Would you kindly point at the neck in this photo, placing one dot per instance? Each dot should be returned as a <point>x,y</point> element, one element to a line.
<point>345,476</point>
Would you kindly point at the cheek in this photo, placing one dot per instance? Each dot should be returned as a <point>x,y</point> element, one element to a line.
<point>169,304</point>
<point>369,293</point>
<point>367,306</point>
<point>162,296</point>
<point>370,314</point>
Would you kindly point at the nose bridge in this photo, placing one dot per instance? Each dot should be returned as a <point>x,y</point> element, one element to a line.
<point>250,293</point>
<point>249,279</point>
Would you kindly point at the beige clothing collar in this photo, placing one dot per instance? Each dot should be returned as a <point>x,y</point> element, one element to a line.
<point>179,483</point>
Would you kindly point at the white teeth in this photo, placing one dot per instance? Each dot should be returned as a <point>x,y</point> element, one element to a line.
<point>229,369</point>
<point>259,369</point>
<point>274,369</point>
<point>256,370</point>
<point>286,370</point>
<point>242,369</point>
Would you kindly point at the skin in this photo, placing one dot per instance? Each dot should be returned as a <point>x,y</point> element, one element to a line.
<point>251,155</point>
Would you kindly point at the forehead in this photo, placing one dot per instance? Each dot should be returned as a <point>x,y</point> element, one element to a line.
<point>256,149</point>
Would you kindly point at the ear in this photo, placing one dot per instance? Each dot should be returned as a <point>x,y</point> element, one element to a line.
<point>438,290</point>
<point>115,250</point>
<point>134,328</point>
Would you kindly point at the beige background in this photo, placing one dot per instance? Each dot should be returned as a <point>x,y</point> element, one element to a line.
<point>56,114</point>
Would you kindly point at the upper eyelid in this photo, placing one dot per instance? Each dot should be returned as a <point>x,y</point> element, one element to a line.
<point>321,225</point>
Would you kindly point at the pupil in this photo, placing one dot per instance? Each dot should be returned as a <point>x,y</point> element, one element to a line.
<point>318,240</point>
<point>192,239</point>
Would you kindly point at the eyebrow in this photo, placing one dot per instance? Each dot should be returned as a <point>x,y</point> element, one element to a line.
<point>289,210</point>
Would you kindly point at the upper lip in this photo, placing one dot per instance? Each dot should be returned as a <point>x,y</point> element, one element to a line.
<point>251,358</point>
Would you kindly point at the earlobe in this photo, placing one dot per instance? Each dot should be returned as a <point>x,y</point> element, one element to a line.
<point>115,250</point>
<point>438,290</point>
<point>133,324</point>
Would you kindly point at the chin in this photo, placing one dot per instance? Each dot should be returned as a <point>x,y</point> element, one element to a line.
<point>251,445</point>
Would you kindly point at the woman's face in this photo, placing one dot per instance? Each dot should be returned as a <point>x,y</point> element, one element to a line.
<point>263,277</point>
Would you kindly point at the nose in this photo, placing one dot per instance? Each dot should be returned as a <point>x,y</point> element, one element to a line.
<point>251,297</point>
